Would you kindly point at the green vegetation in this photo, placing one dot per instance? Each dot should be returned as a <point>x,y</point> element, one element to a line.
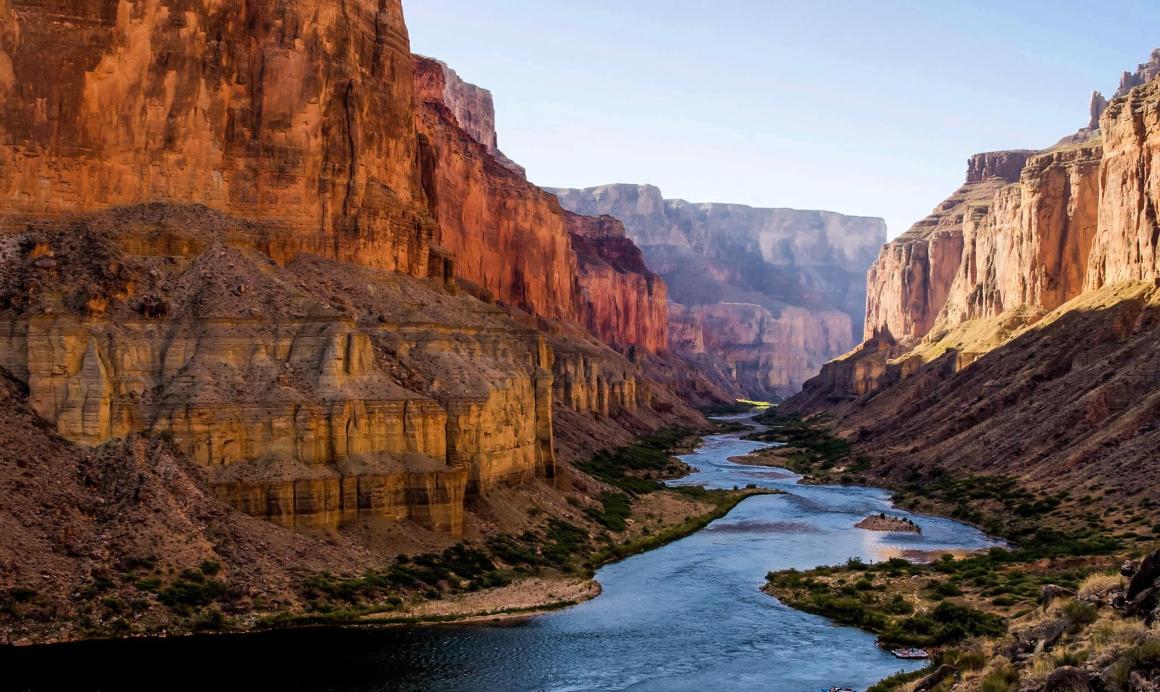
<point>899,679</point>
<point>191,591</point>
<point>891,617</point>
<point>1143,657</point>
<point>615,509</point>
<point>638,468</point>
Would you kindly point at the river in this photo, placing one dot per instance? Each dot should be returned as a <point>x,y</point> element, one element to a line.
<point>687,616</point>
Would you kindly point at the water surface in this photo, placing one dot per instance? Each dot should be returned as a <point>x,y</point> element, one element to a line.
<point>687,616</point>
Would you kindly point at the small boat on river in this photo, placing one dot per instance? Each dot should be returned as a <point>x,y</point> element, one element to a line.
<point>911,653</point>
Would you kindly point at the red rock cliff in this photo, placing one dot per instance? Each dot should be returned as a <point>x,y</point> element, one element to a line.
<point>299,112</point>
<point>1127,243</point>
<point>621,301</point>
<point>513,239</point>
<point>1028,234</point>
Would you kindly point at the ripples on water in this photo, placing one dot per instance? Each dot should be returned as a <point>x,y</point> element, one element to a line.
<point>687,616</point>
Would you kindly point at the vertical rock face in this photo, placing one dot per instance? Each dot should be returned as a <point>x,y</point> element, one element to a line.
<point>1145,72</point>
<point>288,111</point>
<point>1030,248</point>
<point>771,293</point>
<point>621,301</point>
<point>1127,244</point>
<point>909,283</point>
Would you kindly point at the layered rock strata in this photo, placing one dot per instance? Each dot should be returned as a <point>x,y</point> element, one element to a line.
<point>772,294</point>
<point>314,395</point>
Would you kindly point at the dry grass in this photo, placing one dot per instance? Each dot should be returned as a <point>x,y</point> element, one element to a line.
<point>1098,584</point>
<point>1113,631</point>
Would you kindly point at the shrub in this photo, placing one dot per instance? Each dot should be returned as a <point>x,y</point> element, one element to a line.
<point>615,509</point>
<point>188,593</point>
<point>1143,657</point>
<point>1099,584</point>
<point>1079,614</point>
<point>1000,680</point>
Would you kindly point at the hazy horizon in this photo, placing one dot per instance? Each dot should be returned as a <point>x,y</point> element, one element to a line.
<point>847,107</point>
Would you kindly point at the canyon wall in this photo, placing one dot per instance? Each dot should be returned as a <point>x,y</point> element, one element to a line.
<point>1026,345</point>
<point>295,112</point>
<point>513,239</point>
<point>771,294</point>
<point>909,282</point>
<point>267,233</point>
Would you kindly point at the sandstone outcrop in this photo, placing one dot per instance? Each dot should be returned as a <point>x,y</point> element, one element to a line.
<point>786,283</point>
<point>340,393</point>
<point>909,283</point>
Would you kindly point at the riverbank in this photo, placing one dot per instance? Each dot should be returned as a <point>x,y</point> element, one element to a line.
<point>979,613</point>
<point>527,598</point>
<point>536,553</point>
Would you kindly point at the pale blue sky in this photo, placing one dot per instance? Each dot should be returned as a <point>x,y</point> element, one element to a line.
<point>857,107</point>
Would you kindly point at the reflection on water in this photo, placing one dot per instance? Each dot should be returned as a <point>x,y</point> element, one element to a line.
<point>688,616</point>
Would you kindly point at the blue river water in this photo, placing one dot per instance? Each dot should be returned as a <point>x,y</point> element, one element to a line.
<point>687,616</point>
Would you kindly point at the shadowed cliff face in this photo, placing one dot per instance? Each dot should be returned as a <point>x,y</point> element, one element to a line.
<point>1014,328</point>
<point>773,293</point>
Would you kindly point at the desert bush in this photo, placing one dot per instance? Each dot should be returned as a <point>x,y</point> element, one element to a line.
<point>1000,680</point>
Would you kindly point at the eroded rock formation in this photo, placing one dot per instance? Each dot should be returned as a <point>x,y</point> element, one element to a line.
<point>314,395</point>
<point>771,294</point>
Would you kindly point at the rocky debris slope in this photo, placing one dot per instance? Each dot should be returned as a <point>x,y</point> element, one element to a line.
<point>761,297</point>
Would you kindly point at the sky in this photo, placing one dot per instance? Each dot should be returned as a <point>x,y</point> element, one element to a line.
<point>860,107</point>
